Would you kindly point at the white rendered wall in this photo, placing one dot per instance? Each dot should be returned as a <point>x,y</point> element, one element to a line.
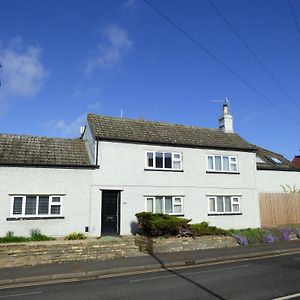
<point>73,183</point>
<point>122,167</point>
<point>272,181</point>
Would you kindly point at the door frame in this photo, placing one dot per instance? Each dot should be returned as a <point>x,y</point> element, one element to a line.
<point>118,192</point>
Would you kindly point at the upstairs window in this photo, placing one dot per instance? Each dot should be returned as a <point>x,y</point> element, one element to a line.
<point>222,163</point>
<point>260,160</point>
<point>275,160</point>
<point>224,204</point>
<point>36,206</point>
<point>171,205</point>
<point>163,160</point>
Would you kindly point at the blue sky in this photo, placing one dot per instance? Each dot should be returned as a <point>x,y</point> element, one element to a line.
<point>62,59</point>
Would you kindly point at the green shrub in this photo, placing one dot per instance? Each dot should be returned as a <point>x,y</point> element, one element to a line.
<point>10,234</point>
<point>36,235</point>
<point>203,228</point>
<point>14,239</point>
<point>155,225</point>
<point>75,236</point>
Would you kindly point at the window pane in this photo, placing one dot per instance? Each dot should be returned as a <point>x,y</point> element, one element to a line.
<point>233,164</point>
<point>177,200</point>
<point>149,204</point>
<point>220,207</point>
<point>30,207</point>
<point>149,159</point>
<point>235,200</point>
<point>227,204</point>
<point>177,161</point>
<point>168,205</point>
<point>178,209</point>
<point>212,205</point>
<point>43,205</point>
<point>210,163</point>
<point>218,165</point>
<point>159,205</point>
<point>55,209</point>
<point>159,159</point>
<point>236,207</point>
<point>168,160</point>
<point>177,164</point>
<point>225,163</point>
<point>17,208</point>
<point>233,167</point>
<point>55,199</point>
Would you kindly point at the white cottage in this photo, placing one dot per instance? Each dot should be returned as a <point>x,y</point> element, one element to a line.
<point>96,184</point>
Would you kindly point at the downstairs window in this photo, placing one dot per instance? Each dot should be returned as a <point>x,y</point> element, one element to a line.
<point>36,206</point>
<point>171,205</point>
<point>224,204</point>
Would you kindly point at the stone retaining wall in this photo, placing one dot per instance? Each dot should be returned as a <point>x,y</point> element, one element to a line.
<point>33,253</point>
<point>174,244</point>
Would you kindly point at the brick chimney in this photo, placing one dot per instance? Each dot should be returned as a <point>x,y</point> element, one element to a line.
<point>226,120</point>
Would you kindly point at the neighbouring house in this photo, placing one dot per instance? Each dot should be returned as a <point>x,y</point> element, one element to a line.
<point>97,183</point>
<point>296,161</point>
<point>274,172</point>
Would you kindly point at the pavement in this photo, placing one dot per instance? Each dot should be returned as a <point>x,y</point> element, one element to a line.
<point>93,269</point>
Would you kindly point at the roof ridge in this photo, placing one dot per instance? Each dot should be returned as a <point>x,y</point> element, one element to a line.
<point>270,151</point>
<point>37,136</point>
<point>156,122</point>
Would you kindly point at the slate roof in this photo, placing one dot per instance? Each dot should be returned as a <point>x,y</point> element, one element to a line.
<point>269,164</point>
<point>43,151</point>
<point>149,132</point>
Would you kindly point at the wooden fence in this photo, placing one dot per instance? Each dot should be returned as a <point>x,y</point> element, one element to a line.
<point>279,209</point>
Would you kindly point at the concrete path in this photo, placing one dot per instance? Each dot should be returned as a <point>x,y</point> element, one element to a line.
<point>82,270</point>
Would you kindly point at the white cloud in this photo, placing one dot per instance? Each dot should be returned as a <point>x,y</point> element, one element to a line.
<point>129,3</point>
<point>69,129</point>
<point>72,128</point>
<point>23,73</point>
<point>93,107</point>
<point>110,53</point>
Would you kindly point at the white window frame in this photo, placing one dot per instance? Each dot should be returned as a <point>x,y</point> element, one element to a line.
<point>36,215</point>
<point>164,204</point>
<point>231,161</point>
<point>233,200</point>
<point>173,154</point>
<point>275,160</point>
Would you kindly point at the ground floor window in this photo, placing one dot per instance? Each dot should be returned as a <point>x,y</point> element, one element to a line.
<point>172,205</point>
<point>224,204</point>
<point>36,205</point>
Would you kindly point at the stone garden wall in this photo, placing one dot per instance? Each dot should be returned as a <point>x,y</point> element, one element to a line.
<point>33,253</point>
<point>175,244</point>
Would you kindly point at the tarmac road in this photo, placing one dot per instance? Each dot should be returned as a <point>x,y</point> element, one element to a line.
<point>267,278</point>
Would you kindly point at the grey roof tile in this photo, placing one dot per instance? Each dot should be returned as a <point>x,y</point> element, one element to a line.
<point>269,164</point>
<point>140,131</point>
<point>42,151</point>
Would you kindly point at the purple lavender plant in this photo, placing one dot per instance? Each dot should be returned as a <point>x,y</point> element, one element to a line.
<point>268,238</point>
<point>242,240</point>
<point>285,234</point>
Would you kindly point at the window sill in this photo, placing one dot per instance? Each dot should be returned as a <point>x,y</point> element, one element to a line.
<point>222,172</point>
<point>225,214</point>
<point>164,170</point>
<point>176,215</point>
<point>33,218</point>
